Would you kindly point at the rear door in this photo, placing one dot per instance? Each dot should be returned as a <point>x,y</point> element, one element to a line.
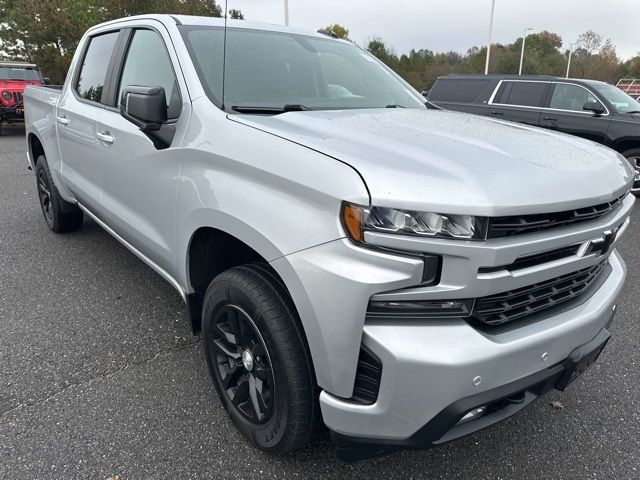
<point>78,109</point>
<point>519,101</point>
<point>463,94</point>
<point>564,113</point>
<point>140,179</point>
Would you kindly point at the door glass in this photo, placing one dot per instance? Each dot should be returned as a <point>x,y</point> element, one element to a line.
<point>148,65</point>
<point>571,97</point>
<point>94,66</point>
<point>527,94</point>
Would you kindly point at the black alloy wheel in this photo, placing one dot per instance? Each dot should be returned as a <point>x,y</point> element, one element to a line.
<point>44,193</point>
<point>243,363</point>
<point>259,359</point>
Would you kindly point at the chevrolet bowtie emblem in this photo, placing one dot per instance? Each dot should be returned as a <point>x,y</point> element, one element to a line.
<point>599,246</point>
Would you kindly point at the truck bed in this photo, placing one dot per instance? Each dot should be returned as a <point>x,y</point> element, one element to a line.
<point>40,106</point>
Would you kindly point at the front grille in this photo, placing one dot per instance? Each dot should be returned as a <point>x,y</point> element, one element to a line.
<point>17,97</point>
<point>515,225</point>
<point>535,260</point>
<point>525,301</point>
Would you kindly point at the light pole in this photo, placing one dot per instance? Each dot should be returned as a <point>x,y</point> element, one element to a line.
<point>569,61</point>
<point>486,65</point>
<point>524,38</point>
<point>286,12</point>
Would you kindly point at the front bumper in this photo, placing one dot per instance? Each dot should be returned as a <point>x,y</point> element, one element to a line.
<point>494,405</point>
<point>429,367</point>
<point>13,113</point>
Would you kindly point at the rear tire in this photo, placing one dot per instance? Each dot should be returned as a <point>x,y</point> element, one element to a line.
<point>60,216</point>
<point>259,359</point>
<point>633,156</point>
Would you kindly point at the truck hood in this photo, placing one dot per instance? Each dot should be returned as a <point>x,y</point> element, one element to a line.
<point>452,162</point>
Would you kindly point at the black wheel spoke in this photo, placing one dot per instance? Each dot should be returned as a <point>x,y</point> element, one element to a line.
<point>262,372</point>
<point>243,364</point>
<point>241,392</point>
<point>223,327</point>
<point>44,189</point>
<point>256,397</point>
<point>232,375</point>
<point>227,350</point>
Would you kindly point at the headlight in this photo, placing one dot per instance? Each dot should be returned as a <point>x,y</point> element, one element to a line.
<point>357,220</point>
<point>6,95</point>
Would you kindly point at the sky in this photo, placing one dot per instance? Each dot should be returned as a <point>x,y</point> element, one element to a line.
<point>443,25</point>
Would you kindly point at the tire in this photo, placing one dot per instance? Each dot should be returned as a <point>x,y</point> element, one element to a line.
<point>60,216</point>
<point>270,393</point>
<point>634,158</point>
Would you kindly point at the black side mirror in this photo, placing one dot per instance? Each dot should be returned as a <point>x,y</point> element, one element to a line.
<point>145,107</point>
<point>47,81</point>
<point>594,107</point>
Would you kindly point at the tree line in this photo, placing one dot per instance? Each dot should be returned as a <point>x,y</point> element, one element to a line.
<point>47,32</point>
<point>593,57</point>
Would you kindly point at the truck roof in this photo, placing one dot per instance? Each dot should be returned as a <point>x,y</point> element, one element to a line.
<point>213,22</point>
<point>494,76</point>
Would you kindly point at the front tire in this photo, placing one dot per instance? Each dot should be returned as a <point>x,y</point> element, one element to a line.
<point>61,216</point>
<point>259,359</point>
<point>633,156</point>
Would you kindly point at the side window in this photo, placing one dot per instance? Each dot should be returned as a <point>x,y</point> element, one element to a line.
<point>570,97</point>
<point>458,89</point>
<point>148,64</point>
<point>526,94</point>
<point>93,71</point>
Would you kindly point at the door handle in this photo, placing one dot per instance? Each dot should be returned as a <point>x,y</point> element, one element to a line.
<point>497,113</point>
<point>551,119</point>
<point>62,120</point>
<point>105,137</point>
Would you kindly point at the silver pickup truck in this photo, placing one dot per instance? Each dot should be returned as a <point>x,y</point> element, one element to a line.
<point>403,274</point>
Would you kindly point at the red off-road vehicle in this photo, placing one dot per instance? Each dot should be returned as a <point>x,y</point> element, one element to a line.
<point>14,78</point>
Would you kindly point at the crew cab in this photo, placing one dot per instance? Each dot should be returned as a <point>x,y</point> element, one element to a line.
<point>349,256</point>
<point>14,78</point>
<point>589,109</point>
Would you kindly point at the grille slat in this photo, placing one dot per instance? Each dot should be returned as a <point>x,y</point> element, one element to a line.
<point>516,304</point>
<point>519,224</point>
<point>17,97</point>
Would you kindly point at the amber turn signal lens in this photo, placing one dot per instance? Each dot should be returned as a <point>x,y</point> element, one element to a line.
<point>352,222</point>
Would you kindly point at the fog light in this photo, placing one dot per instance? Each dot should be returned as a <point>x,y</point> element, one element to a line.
<point>473,415</point>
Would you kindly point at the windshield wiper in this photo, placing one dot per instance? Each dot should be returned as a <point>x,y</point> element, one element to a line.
<point>393,105</point>
<point>633,111</point>
<point>270,110</point>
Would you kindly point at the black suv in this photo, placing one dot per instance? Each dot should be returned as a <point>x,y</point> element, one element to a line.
<point>590,109</point>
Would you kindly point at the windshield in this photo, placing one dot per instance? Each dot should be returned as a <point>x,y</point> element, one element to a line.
<point>278,70</point>
<point>18,73</point>
<point>622,102</point>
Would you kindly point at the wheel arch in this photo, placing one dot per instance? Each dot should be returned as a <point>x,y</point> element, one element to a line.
<point>628,143</point>
<point>36,148</point>
<point>203,265</point>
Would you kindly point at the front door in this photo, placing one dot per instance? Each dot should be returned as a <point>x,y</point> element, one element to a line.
<point>140,180</point>
<point>565,113</point>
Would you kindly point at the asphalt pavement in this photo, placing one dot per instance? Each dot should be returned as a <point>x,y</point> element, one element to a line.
<point>101,377</point>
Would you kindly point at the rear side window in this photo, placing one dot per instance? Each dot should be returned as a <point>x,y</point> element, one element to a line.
<point>526,94</point>
<point>94,67</point>
<point>464,90</point>
<point>148,65</point>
